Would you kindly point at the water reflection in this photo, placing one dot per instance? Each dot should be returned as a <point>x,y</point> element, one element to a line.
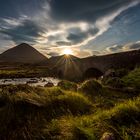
<point>30,81</point>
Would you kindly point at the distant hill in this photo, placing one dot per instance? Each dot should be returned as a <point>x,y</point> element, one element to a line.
<point>22,53</point>
<point>59,60</point>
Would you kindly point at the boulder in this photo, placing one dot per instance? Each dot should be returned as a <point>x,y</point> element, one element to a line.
<point>49,84</point>
<point>108,136</point>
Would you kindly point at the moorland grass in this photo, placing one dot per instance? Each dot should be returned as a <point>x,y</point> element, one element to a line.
<point>38,113</point>
<point>67,85</point>
<point>115,82</point>
<point>24,72</point>
<point>133,79</point>
<point>24,113</point>
<point>90,88</point>
<point>122,120</point>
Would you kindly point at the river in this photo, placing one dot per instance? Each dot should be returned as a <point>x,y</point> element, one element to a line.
<point>30,81</point>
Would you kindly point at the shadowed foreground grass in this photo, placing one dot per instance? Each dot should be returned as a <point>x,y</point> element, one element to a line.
<point>133,79</point>
<point>24,113</point>
<point>38,113</point>
<point>122,120</point>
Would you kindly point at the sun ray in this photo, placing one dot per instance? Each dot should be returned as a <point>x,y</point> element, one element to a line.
<point>67,51</point>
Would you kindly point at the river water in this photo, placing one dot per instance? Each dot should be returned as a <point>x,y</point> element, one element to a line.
<point>30,81</point>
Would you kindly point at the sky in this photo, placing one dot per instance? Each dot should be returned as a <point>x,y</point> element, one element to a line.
<point>86,27</point>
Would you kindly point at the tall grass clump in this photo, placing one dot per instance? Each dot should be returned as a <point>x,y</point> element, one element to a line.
<point>133,79</point>
<point>67,85</point>
<point>90,88</point>
<point>122,122</point>
<point>12,89</point>
<point>115,82</point>
<point>23,114</point>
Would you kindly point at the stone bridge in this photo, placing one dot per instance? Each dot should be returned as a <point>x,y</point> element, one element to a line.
<point>79,68</point>
<point>75,68</point>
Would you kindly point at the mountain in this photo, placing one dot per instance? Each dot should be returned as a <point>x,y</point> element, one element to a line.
<point>59,60</point>
<point>63,57</point>
<point>22,53</point>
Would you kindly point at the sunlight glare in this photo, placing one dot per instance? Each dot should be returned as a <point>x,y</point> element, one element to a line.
<point>67,51</point>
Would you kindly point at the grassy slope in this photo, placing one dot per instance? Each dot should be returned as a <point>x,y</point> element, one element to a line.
<point>53,113</point>
<point>29,113</point>
<point>24,72</point>
<point>25,110</point>
<point>122,120</point>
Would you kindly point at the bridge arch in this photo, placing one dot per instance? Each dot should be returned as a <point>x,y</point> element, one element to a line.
<point>60,74</point>
<point>92,73</point>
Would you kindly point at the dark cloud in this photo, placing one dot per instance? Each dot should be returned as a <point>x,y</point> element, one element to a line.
<point>93,31</point>
<point>25,32</point>
<point>127,47</point>
<point>115,48</point>
<point>75,38</point>
<point>134,46</point>
<point>53,54</point>
<point>96,53</point>
<point>14,8</point>
<point>63,43</point>
<point>88,10</point>
<point>52,38</point>
<point>79,36</point>
<point>49,48</point>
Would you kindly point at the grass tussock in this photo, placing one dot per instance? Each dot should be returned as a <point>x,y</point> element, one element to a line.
<point>53,100</point>
<point>65,113</point>
<point>122,121</point>
<point>90,88</point>
<point>133,79</point>
<point>115,82</point>
<point>67,85</point>
<point>23,113</point>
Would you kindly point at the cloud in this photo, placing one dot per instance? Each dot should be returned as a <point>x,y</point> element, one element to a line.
<point>8,23</point>
<point>104,23</point>
<point>63,43</point>
<point>80,32</point>
<point>53,54</point>
<point>122,48</point>
<point>6,42</point>
<point>82,53</point>
<point>16,8</point>
<point>75,38</point>
<point>115,48</point>
<point>76,35</point>
<point>26,31</point>
<point>132,46</point>
<point>94,53</point>
<point>84,10</point>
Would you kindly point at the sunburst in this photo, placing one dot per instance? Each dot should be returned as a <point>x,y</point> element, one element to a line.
<point>67,51</point>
